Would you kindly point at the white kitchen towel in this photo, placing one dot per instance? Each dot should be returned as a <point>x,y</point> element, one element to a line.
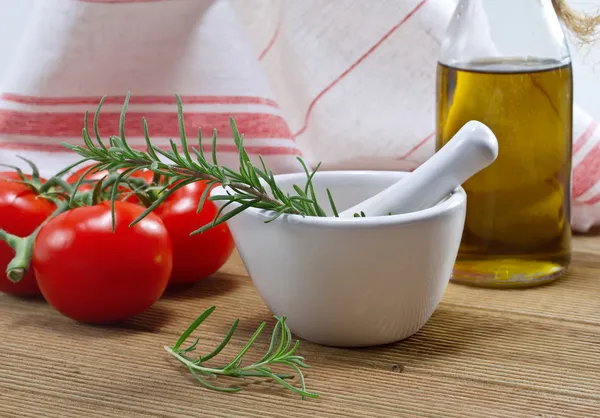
<point>349,83</point>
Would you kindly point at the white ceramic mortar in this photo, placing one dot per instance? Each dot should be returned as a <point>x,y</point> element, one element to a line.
<point>351,282</point>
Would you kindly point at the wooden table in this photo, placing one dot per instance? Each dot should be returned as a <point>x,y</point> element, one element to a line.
<point>484,353</point>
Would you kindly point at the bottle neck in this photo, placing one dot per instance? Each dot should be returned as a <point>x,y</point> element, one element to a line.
<point>526,31</point>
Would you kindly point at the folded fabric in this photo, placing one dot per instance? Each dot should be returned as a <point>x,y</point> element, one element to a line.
<point>348,83</point>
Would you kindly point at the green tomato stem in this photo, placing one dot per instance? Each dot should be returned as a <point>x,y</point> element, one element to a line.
<point>18,267</point>
<point>10,239</point>
<point>56,182</point>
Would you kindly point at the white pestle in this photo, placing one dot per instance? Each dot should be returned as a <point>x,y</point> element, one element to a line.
<point>473,148</point>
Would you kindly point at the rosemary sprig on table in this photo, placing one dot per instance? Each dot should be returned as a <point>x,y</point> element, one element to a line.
<point>281,352</point>
<point>250,186</point>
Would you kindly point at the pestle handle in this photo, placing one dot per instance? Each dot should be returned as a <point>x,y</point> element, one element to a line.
<point>473,148</point>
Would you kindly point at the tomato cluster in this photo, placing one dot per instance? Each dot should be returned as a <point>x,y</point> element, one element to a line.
<point>92,273</point>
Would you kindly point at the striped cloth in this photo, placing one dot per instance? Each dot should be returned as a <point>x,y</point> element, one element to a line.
<point>339,82</point>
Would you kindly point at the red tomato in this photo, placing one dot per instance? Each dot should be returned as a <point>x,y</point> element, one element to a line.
<point>145,174</point>
<point>199,256</point>
<point>13,175</point>
<point>21,212</point>
<point>90,274</point>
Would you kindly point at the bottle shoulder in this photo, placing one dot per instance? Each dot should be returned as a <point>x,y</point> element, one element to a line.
<point>519,31</point>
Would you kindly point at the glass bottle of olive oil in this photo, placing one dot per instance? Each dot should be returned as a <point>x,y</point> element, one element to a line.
<point>507,64</point>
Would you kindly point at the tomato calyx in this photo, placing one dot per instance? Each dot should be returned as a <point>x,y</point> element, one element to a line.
<point>32,181</point>
<point>138,185</point>
<point>53,189</point>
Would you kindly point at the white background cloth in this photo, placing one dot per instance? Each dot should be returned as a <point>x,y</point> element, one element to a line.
<point>349,83</point>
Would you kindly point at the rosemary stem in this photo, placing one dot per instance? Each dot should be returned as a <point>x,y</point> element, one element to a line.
<point>242,187</point>
<point>207,177</point>
<point>244,371</point>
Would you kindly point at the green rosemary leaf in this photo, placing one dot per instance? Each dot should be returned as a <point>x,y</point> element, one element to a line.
<point>165,154</point>
<point>214,148</point>
<point>297,370</point>
<point>86,137</point>
<point>114,192</point>
<point>161,199</point>
<point>226,197</point>
<point>301,199</point>
<point>78,183</point>
<point>232,199</point>
<point>191,348</point>
<point>288,336</point>
<point>233,175</point>
<point>274,336</point>
<point>268,373</point>
<point>254,180</point>
<point>262,173</point>
<point>200,156</point>
<point>243,168</point>
<point>309,176</point>
<point>227,216</point>
<point>297,360</point>
<point>193,326</point>
<point>277,215</point>
<point>236,134</point>
<point>96,119</point>
<point>294,348</point>
<point>113,198</point>
<point>221,346</point>
<point>180,120</point>
<point>178,160</point>
<point>333,208</point>
<point>205,193</point>
<point>149,145</point>
<point>208,385</point>
<point>122,117</point>
<point>167,174</point>
<point>279,193</point>
<point>280,349</point>
<point>300,191</point>
<point>303,205</point>
<point>310,188</point>
<point>245,349</point>
<point>97,191</point>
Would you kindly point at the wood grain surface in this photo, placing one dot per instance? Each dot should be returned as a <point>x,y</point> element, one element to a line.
<point>484,353</point>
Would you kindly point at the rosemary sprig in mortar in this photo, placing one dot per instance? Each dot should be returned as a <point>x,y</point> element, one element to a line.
<point>281,352</point>
<point>250,186</point>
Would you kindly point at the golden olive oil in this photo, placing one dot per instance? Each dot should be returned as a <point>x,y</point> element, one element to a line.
<point>517,230</point>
